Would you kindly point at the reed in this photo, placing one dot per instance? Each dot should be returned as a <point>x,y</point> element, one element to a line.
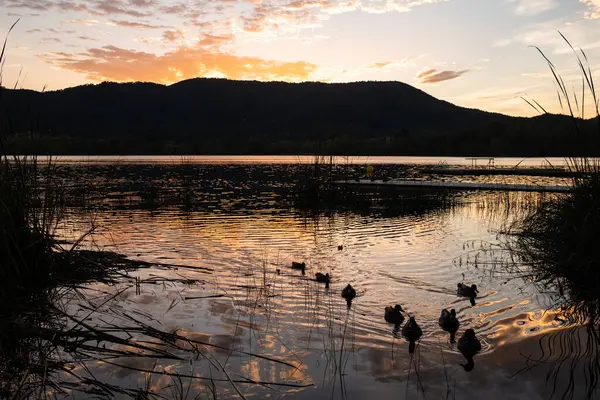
<point>558,238</point>
<point>554,246</point>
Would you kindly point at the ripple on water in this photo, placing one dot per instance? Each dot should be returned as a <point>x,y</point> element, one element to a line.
<point>405,260</point>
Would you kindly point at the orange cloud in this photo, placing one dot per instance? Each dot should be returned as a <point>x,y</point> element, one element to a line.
<point>122,65</point>
<point>434,76</point>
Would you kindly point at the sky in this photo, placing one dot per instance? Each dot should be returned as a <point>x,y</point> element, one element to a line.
<point>473,53</point>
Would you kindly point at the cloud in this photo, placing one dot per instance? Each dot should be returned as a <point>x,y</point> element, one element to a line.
<point>434,76</point>
<point>122,65</point>
<point>533,7</point>
<point>88,22</point>
<point>199,38</point>
<point>286,17</point>
<point>134,8</point>
<point>115,7</point>
<point>389,65</point>
<point>51,40</point>
<point>272,18</point>
<point>380,65</point>
<point>136,25</point>
<point>173,36</point>
<point>594,6</point>
<point>545,36</point>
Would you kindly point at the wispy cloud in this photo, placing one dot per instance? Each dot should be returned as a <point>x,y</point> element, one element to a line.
<point>533,7</point>
<point>88,22</point>
<point>51,40</point>
<point>136,24</point>
<point>545,36</point>
<point>389,65</point>
<point>435,76</point>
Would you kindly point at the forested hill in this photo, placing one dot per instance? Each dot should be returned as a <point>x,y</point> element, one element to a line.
<point>216,116</point>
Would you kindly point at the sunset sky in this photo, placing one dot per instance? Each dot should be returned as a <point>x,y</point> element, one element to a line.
<point>473,53</point>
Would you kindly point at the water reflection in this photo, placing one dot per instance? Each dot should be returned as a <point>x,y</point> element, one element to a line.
<point>245,224</point>
<point>349,293</point>
<point>553,250</point>
<point>469,345</point>
<point>412,332</point>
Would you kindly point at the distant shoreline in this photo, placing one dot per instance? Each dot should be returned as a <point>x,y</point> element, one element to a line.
<point>499,162</point>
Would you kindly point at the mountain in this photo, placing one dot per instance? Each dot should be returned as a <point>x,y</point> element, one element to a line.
<point>204,116</point>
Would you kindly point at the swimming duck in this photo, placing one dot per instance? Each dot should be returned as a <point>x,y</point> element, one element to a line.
<point>466,291</point>
<point>323,278</point>
<point>299,266</point>
<point>449,323</point>
<point>393,315</point>
<point>349,294</point>
<point>412,332</point>
<point>469,345</point>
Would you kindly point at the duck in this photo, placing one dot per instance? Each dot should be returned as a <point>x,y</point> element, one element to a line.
<point>323,278</point>
<point>469,345</point>
<point>349,293</point>
<point>393,315</point>
<point>299,266</point>
<point>449,323</point>
<point>412,332</point>
<point>466,291</point>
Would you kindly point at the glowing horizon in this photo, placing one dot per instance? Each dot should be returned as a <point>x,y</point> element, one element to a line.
<point>471,53</point>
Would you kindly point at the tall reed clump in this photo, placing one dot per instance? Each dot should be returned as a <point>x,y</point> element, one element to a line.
<point>30,208</point>
<point>29,211</point>
<point>559,237</point>
<point>317,186</point>
<point>557,240</point>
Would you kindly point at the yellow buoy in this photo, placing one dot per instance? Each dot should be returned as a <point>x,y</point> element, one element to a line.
<point>370,170</point>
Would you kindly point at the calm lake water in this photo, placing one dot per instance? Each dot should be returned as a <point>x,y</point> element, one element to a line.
<point>480,161</point>
<point>235,216</point>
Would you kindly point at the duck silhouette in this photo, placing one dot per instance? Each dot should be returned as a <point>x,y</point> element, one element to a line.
<point>412,332</point>
<point>299,266</point>
<point>469,345</point>
<point>471,292</point>
<point>449,323</point>
<point>349,294</point>
<point>393,315</point>
<point>323,278</point>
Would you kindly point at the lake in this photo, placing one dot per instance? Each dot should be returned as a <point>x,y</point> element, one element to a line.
<point>236,221</point>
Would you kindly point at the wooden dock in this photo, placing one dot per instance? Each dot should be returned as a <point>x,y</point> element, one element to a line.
<point>454,185</point>
<point>550,172</point>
